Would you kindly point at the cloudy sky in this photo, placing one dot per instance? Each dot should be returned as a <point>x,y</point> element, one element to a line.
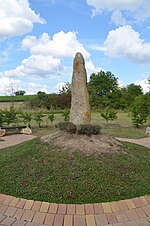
<point>39,38</point>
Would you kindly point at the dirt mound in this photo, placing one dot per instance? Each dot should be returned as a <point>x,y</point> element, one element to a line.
<point>88,144</point>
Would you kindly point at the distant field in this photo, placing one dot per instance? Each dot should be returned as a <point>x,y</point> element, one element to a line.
<point>16,98</point>
<point>4,105</point>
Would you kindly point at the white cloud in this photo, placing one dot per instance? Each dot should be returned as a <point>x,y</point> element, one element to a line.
<point>90,67</point>
<point>60,45</point>
<point>137,9</point>
<point>8,85</point>
<point>125,42</point>
<point>144,84</point>
<point>33,88</point>
<point>16,18</point>
<point>46,55</point>
<point>117,18</point>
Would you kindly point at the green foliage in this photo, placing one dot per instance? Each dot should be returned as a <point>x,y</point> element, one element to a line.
<point>101,86</point>
<point>51,117</point>
<point>109,114</point>
<point>51,101</point>
<point>2,118</point>
<point>26,118</point>
<point>10,116</point>
<point>88,129</point>
<point>130,92</point>
<point>140,111</point>
<point>66,114</point>
<point>38,117</point>
<point>67,126</point>
<point>20,93</point>
<point>66,89</point>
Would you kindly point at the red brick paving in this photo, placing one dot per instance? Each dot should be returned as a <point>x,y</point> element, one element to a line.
<point>21,212</point>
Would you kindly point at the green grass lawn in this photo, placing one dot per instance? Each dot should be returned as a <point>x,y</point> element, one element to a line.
<point>38,171</point>
<point>122,127</point>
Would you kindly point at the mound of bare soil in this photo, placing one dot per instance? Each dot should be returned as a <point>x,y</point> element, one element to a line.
<point>88,144</point>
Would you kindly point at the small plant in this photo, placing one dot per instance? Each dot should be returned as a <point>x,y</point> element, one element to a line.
<point>1,118</point>
<point>38,117</point>
<point>109,115</point>
<point>26,118</point>
<point>51,117</point>
<point>10,116</point>
<point>67,126</point>
<point>66,114</point>
<point>88,129</point>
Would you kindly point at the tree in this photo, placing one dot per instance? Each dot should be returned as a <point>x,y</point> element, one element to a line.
<point>11,89</point>
<point>101,86</point>
<point>109,114</point>
<point>130,93</point>
<point>140,111</point>
<point>66,114</point>
<point>26,118</point>
<point>42,96</point>
<point>66,89</point>
<point>51,117</point>
<point>10,116</point>
<point>38,117</point>
<point>20,93</point>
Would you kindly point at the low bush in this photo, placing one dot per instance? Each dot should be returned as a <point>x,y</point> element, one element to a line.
<point>88,129</point>
<point>67,126</point>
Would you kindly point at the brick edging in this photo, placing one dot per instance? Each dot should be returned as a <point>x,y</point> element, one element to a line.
<point>18,211</point>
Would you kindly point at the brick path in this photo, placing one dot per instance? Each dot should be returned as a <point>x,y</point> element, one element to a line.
<point>12,140</point>
<point>22,212</point>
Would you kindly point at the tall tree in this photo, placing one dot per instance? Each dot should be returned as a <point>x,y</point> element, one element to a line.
<point>130,93</point>
<point>101,87</point>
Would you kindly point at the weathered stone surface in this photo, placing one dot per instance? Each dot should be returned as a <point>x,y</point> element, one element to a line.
<point>26,131</point>
<point>148,131</point>
<point>2,132</point>
<point>80,108</point>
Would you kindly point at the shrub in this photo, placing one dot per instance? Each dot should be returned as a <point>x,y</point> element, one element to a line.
<point>51,117</point>
<point>11,116</point>
<point>66,114</point>
<point>2,120</point>
<point>71,128</point>
<point>38,117</point>
<point>88,129</point>
<point>109,115</point>
<point>26,118</point>
<point>67,126</point>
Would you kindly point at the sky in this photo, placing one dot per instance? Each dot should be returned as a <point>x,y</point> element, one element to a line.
<point>39,39</point>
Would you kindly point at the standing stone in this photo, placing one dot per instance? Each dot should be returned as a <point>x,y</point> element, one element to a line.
<point>80,108</point>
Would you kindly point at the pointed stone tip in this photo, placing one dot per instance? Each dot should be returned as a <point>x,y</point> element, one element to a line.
<point>78,55</point>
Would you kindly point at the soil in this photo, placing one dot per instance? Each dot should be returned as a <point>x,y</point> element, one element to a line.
<point>94,144</point>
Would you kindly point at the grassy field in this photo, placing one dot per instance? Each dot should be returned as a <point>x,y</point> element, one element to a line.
<point>16,98</point>
<point>122,127</point>
<point>44,172</point>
